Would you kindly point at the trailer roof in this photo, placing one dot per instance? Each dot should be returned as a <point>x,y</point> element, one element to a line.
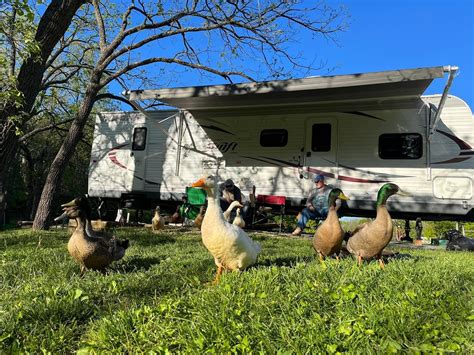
<point>372,87</point>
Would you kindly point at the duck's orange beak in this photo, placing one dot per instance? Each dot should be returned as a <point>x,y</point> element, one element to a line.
<point>199,183</point>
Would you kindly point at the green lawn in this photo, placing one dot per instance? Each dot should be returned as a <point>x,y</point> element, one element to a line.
<point>157,299</point>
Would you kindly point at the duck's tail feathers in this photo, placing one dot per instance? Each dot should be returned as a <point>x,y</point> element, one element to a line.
<point>118,247</point>
<point>123,243</point>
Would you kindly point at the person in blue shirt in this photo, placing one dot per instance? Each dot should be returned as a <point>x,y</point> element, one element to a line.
<point>316,204</point>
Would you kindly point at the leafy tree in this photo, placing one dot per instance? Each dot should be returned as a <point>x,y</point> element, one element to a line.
<point>25,51</point>
<point>211,36</point>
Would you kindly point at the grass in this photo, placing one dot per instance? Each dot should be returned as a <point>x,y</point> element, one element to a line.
<point>156,299</point>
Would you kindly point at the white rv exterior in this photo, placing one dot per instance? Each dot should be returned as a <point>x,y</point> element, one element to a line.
<point>124,166</point>
<point>358,144</point>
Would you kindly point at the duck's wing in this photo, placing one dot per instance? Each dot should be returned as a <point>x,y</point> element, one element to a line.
<point>357,240</point>
<point>247,240</point>
<point>359,228</point>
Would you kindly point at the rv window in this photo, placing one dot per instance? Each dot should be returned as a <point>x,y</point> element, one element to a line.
<point>321,137</point>
<point>139,138</point>
<point>273,137</point>
<point>400,146</point>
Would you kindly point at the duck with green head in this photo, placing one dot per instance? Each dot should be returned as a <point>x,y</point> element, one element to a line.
<point>328,238</point>
<point>369,239</point>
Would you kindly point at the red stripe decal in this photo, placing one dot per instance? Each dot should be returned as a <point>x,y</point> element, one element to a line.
<point>345,178</point>
<point>116,162</point>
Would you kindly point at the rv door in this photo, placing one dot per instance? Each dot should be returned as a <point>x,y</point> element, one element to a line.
<point>137,157</point>
<point>321,143</point>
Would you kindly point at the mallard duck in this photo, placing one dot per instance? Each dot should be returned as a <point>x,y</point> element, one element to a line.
<point>157,222</point>
<point>200,217</point>
<point>229,209</point>
<point>238,220</point>
<point>329,235</point>
<point>91,249</point>
<point>369,239</point>
<point>231,247</point>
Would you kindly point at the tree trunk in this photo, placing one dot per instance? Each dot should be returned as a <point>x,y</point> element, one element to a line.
<point>52,26</point>
<point>63,156</point>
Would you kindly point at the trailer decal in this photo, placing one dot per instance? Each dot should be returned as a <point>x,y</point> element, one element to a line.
<point>451,161</point>
<point>363,114</point>
<point>272,161</point>
<point>114,160</point>
<point>465,147</point>
<point>462,145</point>
<point>379,175</point>
<point>330,175</point>
<point>217,129</point>
<point>345,178</point>
<point>152,182</point>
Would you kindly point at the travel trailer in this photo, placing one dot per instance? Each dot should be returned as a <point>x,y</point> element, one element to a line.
<point>360,131</point>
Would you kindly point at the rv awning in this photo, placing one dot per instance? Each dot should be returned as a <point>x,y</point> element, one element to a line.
<point>376,87</point>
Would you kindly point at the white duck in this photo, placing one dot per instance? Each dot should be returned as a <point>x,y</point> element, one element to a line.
<point>238,220</point>
<point>231,247</point>
<point>157,222</point>
<point>229,209</point>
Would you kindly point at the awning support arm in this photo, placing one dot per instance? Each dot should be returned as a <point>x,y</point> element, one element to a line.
<point>180,140</point>
<point>452,70</point>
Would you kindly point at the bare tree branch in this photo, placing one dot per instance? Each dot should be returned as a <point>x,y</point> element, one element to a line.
<point>100,25</point>
<point>114,97</point>
<point>42,129</point>
<point>225,74</point>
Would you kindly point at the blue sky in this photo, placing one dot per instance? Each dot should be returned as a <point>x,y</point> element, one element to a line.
<point>389,35</point>
<point>399,34</point>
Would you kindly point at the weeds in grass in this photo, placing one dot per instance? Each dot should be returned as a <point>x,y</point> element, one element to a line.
<point>155,299</point>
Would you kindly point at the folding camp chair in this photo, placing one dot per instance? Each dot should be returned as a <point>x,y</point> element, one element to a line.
<point>195,199</point>
<point>275,202</point>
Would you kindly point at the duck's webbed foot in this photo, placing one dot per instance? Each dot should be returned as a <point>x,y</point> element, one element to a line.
<point>381,263</point>
<point>83,270</point>
<point>216,280</point>
<point>321,257</point>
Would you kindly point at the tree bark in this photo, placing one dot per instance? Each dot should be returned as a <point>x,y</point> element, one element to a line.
<point>43,213</point>
<point>52,26</point>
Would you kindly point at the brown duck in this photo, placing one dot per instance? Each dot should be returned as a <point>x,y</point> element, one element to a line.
<point>91,250</point>
<point>328,238</point>
<point>157,222</point>
<point>369,239</point>
<point>199,218</point>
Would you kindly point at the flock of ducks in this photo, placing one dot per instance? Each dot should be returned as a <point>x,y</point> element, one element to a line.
<point>368,240</point>
<point>228,243</point>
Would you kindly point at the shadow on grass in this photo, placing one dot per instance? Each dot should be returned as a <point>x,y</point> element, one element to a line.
<point>285,261</point>
<point>151,240</point>
<point>387,256</point>
<point>47,242</point>
<point>137,263</point>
